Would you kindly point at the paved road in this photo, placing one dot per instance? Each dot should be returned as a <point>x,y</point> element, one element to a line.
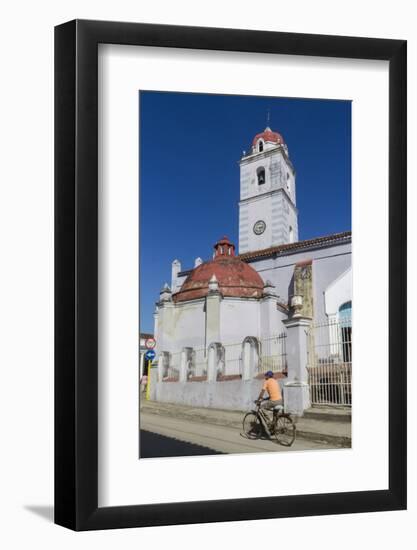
<point>223,439</point>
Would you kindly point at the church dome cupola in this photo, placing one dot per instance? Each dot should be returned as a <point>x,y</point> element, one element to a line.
<point>225,273</point>
<point>223,248</point>
<point>265,138</point>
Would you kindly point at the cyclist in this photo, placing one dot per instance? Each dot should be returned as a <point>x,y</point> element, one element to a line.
<point>271,387</point>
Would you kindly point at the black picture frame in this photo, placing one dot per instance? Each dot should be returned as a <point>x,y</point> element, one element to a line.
<point>76,272</point>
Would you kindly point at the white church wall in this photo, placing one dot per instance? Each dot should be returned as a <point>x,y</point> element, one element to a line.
<point>276,211</point>
<point>271,319</point>
<point>259,209</point>
<point>328,264</point>
<point>181,325</point>
<point>325,271</point>
<point>238,318</point>
<point>237,395</point>
<point>267,202</point>
<point>338,293</point>
<point>276,170</point>
<point>189,325</point>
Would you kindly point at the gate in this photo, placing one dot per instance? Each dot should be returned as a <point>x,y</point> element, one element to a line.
<point>330,362</point>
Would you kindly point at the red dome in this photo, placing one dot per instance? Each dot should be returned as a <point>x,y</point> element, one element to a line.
<point>235,278</point>
<point>268,135</point>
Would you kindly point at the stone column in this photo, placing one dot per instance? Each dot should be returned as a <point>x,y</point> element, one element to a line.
<point>247,373</point>
<point>183,366</point>
<point>212,364</point>
<point>160,367</point>
<point>213,301</point>
<point>296,389</point>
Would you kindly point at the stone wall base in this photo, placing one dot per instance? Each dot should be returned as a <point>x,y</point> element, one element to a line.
<point>297,397</point>
<point>237,395</point>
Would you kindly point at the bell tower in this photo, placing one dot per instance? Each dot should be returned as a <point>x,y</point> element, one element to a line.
<point>267,206</point>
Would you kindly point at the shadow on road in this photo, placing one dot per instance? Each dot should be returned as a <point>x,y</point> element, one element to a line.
<point>153,445</point>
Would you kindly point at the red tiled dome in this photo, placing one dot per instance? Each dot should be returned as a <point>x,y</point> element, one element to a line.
<point>268,135</point>
<point>235,278</point>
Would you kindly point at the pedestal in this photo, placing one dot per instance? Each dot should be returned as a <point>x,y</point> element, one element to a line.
<point>296,389</point>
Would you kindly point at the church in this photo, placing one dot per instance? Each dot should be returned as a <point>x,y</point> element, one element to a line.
<point>276,304</point>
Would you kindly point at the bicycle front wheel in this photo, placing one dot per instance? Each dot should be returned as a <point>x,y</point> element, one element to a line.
<point>252,426</point>
<point>284,430</point>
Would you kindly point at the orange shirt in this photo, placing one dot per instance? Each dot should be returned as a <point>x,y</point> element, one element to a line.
<point>273,389</point>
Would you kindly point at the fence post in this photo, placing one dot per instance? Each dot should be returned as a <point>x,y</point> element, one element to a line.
<point>183,366</point>
<point>296,389</point>
<point>161,360</point>
<point>212,363</point>
<point>247,370</point>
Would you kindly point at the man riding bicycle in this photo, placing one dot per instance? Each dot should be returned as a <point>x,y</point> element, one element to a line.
<point>271,387</point>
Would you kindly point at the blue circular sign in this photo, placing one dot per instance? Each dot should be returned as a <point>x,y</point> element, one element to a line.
<point>150,354</point>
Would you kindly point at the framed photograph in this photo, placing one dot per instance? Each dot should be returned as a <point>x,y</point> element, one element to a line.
<point>230,337</point>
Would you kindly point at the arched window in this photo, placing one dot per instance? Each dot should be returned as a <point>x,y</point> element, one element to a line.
<point>260,146</point>
<point>345,313</point>
<point>260,172</point>
<point>291,234</point>
<point>345,323</point>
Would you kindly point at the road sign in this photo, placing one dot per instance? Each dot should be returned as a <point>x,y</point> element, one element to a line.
<point>150,343</point>
<point>150,355</point>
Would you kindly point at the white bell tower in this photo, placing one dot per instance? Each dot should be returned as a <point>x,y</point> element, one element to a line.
<point>267,207</point>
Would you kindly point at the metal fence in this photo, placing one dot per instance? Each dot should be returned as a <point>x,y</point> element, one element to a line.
<point>173,371</point>
<point>273,354</point>
<point>200,362</point>
<point>330,362</point>
<point>233,359</point>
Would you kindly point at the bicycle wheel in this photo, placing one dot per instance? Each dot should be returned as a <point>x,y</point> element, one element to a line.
<point>284,431</point>
<point>252,426</point>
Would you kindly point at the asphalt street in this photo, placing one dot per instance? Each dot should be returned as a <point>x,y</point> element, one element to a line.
<point>209,439</point>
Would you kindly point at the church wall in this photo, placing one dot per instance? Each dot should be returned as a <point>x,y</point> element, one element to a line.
<point>186,327</point>
<point>238,319</point>
<point>328,264</point>
<point>277,213</point>
<point>233,395</point>
<point>338,293</point>
<point>276,171</point>
<point>267,202</point>
<point>325,271</point>
<point>271,319</point>
<point>261,208</point>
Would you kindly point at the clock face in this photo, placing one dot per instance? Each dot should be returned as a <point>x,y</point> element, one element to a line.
<point>259,227</point>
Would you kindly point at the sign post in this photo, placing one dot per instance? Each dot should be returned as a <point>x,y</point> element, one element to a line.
<point>150,356</point>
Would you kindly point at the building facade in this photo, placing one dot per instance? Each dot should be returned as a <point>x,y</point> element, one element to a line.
<point>232,317</point>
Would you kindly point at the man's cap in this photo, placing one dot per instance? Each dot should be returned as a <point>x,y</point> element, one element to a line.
<point>269,374</point>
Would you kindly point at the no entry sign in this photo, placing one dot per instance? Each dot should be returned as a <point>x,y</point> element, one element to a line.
<point>150,343</point>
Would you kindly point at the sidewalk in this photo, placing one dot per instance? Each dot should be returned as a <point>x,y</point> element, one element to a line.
<point>333,428</point>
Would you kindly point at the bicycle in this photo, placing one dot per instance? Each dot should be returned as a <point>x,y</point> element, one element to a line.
<point>258,422</point>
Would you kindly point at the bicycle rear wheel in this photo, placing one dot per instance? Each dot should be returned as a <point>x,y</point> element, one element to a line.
<point>284,430</point>
<point>252,426</point>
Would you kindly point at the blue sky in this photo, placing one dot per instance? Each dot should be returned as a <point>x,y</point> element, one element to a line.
<point>190,145</point>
